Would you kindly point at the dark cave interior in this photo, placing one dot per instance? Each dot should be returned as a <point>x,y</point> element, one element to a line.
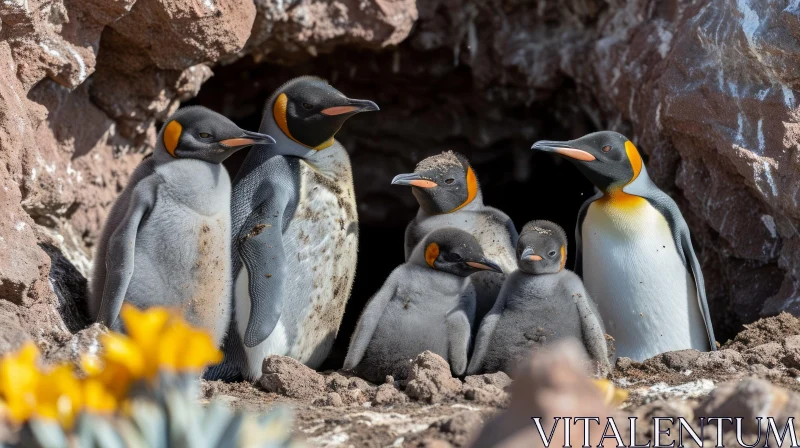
<point>422,114</point>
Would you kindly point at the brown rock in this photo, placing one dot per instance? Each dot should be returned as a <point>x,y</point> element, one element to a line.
<point>749,399</point>
<point>770,329</point>
<point>331,399</point>
<point>680,360</point>
<point>792,347</point>
<point>461,427</point>
<point>498,379</point>
<point>487,394</point>
<point>12,334</point>
<point>388,395</point>
<point>727,360</point>
<point>286,376</point>
<point>430,379</point>
<point>769,354</point>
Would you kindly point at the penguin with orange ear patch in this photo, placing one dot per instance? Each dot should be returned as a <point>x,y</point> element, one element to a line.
<point>428,303</point>
<point>167,239</point>
<point>295,232</point>
<point>539,304</point>
<point>635,252</point>
<point>448,193</point>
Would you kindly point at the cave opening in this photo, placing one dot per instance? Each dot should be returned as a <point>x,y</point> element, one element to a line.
<point>423,112</point>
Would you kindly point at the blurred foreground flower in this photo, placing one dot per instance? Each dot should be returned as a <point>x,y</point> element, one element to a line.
<point>612,395</point>
<point>141,391</point>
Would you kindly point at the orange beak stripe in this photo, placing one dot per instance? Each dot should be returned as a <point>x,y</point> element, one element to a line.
<point>172,134</point>
<point>563,256</point>
<point>338,110</point>
<point>477,265</point>
<point>423,183</point>
<point>238,142</point>
<point>535,258</point>
<point>576,154</point>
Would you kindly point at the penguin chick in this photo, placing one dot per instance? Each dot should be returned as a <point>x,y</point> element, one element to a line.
<point>635,253</point>
<point>295,232</point>
<point>428,303</point>
<point>166,241</point>
<point>448,194</point>
<point>539,304</point>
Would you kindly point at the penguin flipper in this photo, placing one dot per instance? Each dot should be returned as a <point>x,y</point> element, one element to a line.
<point>644,187</point>
<point>578,268</point>
<point>120,251</point>
<point>369,319</point>
<point>459,330</point>
<point>485,332</point>
<point>263,255</point>
<point>592,328</point>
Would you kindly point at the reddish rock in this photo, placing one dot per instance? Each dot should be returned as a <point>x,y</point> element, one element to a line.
<point>430,380</point>
<point>286,376</point>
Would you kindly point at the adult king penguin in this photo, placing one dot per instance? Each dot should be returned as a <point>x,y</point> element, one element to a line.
<point>635,253</point>
<point>295,233</point>
<point>166,241</point>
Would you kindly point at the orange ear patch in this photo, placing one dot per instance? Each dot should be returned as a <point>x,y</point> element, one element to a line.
<point>635,159</point>
<point>563,257</point>
<point>279,112</point>
<point>431,253</point>
<point>472,189</point>
<point>172,133</point>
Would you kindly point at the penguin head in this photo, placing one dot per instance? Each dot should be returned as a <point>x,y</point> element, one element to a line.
<point>199,133</point>
<point>310,111</point>
<point>455,251</point>
<point>542,248</point>
<point>442,183</point>
<point>608,159</point>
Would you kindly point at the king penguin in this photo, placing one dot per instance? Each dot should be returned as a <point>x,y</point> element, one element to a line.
<point>540,303</point>
<point>635,253</point>
<point>166,241</point>
<point>295,233</point>
<point>428,303</point>
<point>448,193</point>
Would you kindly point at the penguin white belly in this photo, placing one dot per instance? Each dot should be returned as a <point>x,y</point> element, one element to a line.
<point>631,268</point>
<point>183,261</point>
<point>321,245</point>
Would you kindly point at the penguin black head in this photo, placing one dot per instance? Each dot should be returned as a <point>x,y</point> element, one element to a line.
<point>442,183</point>
<point>310,111</point>
<point>199,133</point>
<point>608,159</point>
<point>542,248</point>
<point>455,251</point>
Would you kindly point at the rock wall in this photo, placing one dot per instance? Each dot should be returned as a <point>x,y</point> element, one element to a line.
<point>705,89</point>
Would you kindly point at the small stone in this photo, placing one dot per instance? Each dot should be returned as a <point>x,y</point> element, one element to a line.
<point>680,360</point>
<point>624,363</point>
<point>719,360</point>
<point>286,376</point>
<point>389,379</point>
<point>769,354</point>
<point>791,347</point>
<point>498,379</point>
<point>430,380</point>
<point>487,394</point>
<point>331,399</point>
<point>388,395</point>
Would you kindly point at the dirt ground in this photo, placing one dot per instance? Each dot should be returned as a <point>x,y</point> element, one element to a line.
<point>757,372</point>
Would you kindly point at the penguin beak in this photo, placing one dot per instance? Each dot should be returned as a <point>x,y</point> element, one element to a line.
<point>414,180</point>
<point>248,139</point>
<point>484,265</point>
<point>563,149</point>
<point>528,254</point>
<point>352,106</point>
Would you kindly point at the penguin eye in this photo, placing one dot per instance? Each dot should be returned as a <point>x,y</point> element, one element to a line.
<point>449,181</point>
<point>606,148</point>
<point>307,106</point>
<point>552,253</point>
<point>204,135</point>
<point>455,257</point>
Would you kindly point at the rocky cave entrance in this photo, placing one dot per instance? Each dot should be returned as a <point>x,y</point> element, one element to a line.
<point>423,112</point>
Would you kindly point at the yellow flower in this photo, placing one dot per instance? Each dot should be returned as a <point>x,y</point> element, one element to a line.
<point>59,395</point>
<point>96,398</point>
<point>145,329</point>
<point>612,395</point>
<point>19,378</point>
<point>185,349</point>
